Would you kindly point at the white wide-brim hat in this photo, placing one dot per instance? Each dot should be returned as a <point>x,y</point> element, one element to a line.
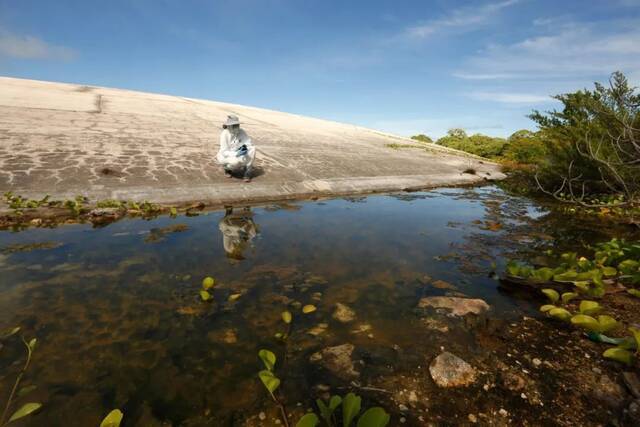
<point>232,120</point>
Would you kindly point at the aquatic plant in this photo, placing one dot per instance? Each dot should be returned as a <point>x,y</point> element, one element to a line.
<point>270,381</point>
<point>207,283</point>
<point>113,419</point>
<point>554,297</point>
<point>351,407</point>
<point>27,408</point>
<point>309,308</point>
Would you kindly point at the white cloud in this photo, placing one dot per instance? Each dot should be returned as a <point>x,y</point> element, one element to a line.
<point>29,47</point>
<point>464,19</point>
<point>574,51</point>
<point>510,98</point>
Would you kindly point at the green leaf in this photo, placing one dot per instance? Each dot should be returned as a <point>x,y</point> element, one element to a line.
<point>636,336</point>
<point>552,294</point>
<point>374,417</point>
<point>634,292</point>
<point>113,419</point>
<point>206,296</point>
<point>25,410</point>
<point>545,308</point>
<point>268,358</point>
<point>334,402</point>
<point>207,283</point>
<point>286,317</point>
<point>350,408</point>
<point>618,354</point>
<point>543,274</point>
<point>589,307</point>
<point>10,332</point>
<point>607,323</point>
<point>609,271</point>
<point>270,381</point>
<point>173,211</point>
<point>586,322</point>
<point>309,308</point>
<point>560,314</point>
<point>309,420</point>
<point>325,412</point>
<point>567,276</point>
<point>568,296</point>
<point>26,390</point>
<point>628,266</point>
<point>32,343</point>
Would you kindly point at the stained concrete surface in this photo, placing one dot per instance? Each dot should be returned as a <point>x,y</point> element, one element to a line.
<point>66,140</point>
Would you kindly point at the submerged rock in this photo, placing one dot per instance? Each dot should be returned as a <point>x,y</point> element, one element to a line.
<point>344,313</point>
<point>337,360</point>
<point>608,392</point>
<point>448,370</point>
<point>457,306</point>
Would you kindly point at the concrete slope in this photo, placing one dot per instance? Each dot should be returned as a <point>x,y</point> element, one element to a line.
<point>65,140</point>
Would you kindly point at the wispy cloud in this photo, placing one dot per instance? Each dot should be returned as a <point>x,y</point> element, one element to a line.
<point>573,51</point>
<point>466,18</point>
<point>509,97</point>
<point>30,47</point>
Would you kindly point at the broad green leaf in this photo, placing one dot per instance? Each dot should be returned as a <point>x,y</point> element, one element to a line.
<point>334,402</point>
<point>113,419</point>
<point>609,271</point>
<point>545,308</point>
<point>350,408</point>
<point>582,286</point>
<point>309,308</point>
<point>173,211</point>
<point>286,317</point>
<point>206,296</point>
<point>26,390</point>
<point>628,266</point>
<point>552,294</point>
<point>374,417</point>
<point>636,337</point>
<point>309,420</point>
<point>32,343</point>
<point>607,323</point>
<point>543,274</point>
<point>567,276</point>
<point>270,381</point>
<point>618,354</point>
<point>25,410</point>
<point>586,322</point>
<point>634,292</point>
<point>325,412</point>
<point>207,283</point>
<point>589,307</point>
<point>234,297</point>
<point>568,296</point>
<point>268,358</point>
<point>560,313</point>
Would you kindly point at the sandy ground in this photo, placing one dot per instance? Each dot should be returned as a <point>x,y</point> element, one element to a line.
<point>66,140</point>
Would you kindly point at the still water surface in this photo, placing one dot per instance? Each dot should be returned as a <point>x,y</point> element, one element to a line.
<point>120,324</point>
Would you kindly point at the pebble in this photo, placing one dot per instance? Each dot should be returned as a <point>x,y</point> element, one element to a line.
<point>523,396</point>
<point>403,420</point>
<point>262,416</point>
<point>472,418</point>
<point>597,370</point>
<point>537,362</point>
<point>503,412</point>
<point>403,408</point>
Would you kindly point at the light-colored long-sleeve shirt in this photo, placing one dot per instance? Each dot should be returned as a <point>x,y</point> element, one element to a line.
<point>228,155</point>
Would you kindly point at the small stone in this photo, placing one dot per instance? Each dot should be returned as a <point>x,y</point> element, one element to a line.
<point>455,305</point>
<point>262,416</point>
<point>503,412</point>
<point>403,408</point>
<point>472,418</point>
<point>318,329</point>
<point>403,420</point>
<point>448,370</point>
<point>413,397</point>
<point>608,392</point>
<point>597,370</point>
<point>337,360</point>
<point>230,337</point>
<point>523,396</point>
<point>536,362</point>
<point>344,313</point>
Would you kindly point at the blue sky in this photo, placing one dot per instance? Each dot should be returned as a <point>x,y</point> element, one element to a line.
<point>405,67</point>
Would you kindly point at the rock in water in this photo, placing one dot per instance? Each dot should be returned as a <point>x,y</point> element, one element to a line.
<point>457,306</point>
<point>343,313</point>
<point>337,360</point>
<point>448,370</point>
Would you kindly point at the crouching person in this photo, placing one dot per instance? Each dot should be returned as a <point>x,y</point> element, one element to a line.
<point>237,152</point>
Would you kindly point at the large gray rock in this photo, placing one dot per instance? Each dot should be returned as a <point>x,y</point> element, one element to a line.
<point>448,370</point>
<point>337,360</point>
<point>455,306</point>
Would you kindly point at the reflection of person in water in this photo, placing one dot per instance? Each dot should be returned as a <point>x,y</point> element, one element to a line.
<point>238,229</point>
